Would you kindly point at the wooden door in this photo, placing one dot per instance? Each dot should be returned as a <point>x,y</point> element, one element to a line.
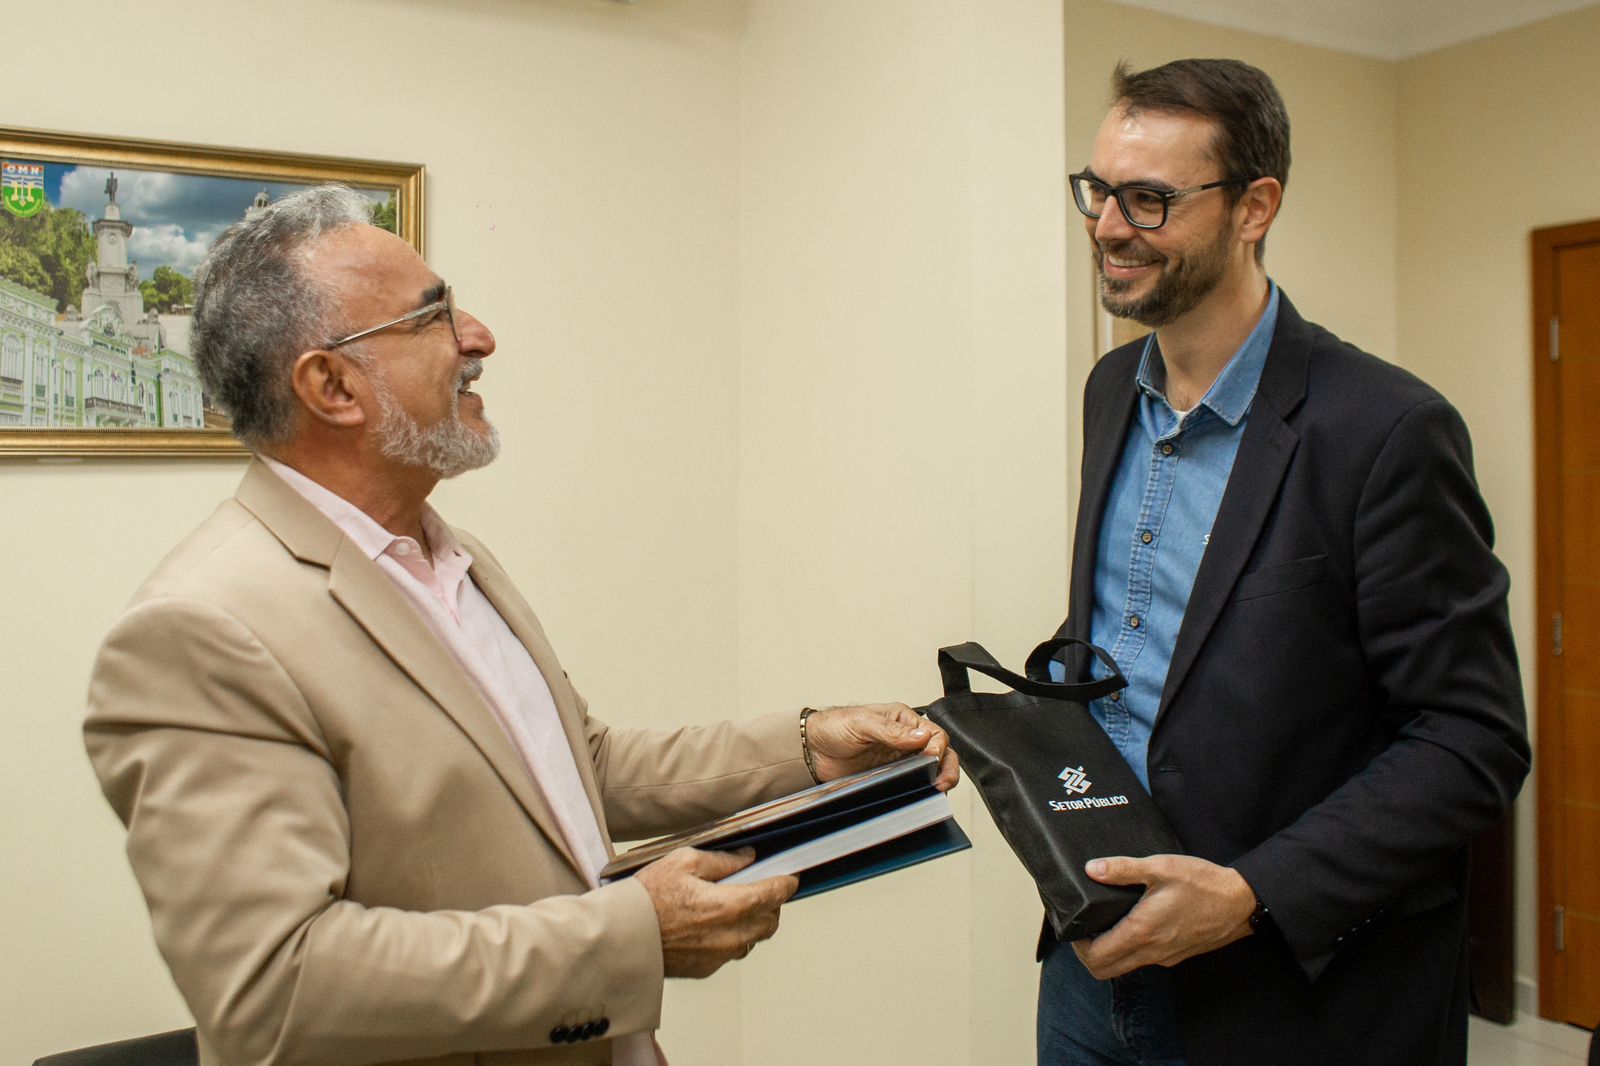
<point>1566,307</point>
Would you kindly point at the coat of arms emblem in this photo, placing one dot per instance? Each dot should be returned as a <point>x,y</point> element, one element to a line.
<point>22,188</point>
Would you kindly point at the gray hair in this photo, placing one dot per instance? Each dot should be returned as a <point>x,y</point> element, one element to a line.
<point>256,309</point>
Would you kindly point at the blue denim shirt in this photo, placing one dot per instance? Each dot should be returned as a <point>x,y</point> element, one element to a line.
<point>1164,497</point>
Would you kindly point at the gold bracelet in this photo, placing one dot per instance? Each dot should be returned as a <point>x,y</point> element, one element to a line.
<point>805,744</point>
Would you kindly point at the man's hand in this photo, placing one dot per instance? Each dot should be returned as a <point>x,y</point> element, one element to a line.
<point>846,740</point>
<point>704,924</point>
<point>1190,906</point>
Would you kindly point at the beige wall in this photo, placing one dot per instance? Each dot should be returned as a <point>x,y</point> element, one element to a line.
<point>901,481</point>
<point>1497,137</point>
<point>779,303</point>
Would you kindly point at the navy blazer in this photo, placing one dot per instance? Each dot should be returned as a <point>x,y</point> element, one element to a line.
<point>1343,709</point>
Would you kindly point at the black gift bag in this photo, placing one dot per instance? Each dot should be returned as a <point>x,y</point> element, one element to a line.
<point>1055,785</point>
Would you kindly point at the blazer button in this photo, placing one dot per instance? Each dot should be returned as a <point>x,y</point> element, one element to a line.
<point>590,1030</point>
<point>559,1034</point>
<point>603,1027</point>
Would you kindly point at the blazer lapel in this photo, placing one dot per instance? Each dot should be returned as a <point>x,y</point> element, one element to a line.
<point>371,599</point>
<point>1264,453</point>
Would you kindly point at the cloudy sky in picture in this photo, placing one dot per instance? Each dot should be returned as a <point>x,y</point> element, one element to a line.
<point>175,217</point>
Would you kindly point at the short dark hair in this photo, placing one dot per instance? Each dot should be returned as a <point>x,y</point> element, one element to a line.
<point>1252,124</point>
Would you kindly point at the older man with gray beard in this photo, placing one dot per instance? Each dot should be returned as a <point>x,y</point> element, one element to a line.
<point>365,804</point>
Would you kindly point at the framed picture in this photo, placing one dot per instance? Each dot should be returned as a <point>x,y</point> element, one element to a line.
<point>99,239</point>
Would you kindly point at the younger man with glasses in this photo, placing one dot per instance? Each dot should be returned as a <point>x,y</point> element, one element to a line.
<point>364,802</point>
<point>1281,542</point>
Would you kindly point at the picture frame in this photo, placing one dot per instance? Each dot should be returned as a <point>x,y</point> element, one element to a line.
<point>93,323</point>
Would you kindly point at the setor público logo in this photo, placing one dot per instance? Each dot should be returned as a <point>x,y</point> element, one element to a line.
<point>1073,780</point>
<point>22,188</point>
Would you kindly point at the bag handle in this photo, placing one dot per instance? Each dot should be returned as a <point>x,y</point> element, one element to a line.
<point>955,661</point>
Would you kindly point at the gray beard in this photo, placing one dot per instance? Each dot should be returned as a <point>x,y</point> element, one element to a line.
<point>448,449</point>
<point>1176,292</point>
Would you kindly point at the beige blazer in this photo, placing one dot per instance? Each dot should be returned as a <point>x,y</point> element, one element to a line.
<point>345,860</point>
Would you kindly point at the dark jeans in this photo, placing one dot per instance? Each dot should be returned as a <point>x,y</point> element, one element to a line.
<point>1127,1021</point>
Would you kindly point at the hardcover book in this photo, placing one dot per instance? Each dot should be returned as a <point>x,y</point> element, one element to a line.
<point>829,835</point>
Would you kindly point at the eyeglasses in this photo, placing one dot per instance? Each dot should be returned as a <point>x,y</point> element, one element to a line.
<point>447,305</point>
<point>1143,206</point>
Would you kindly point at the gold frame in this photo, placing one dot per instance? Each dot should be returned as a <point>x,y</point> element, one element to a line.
<point>49,146</point>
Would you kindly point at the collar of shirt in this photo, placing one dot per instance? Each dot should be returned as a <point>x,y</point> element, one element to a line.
<point>1230,395</point>
<point>443,578</point>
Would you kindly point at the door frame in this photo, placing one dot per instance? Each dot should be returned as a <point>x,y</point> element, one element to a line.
<point>1549,706</point>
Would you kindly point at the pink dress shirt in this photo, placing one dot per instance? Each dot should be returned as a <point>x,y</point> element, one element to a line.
<point>467,624</point>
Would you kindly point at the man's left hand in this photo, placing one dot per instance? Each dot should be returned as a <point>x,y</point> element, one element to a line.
<point>846,740</point>
<point>1190,906</point>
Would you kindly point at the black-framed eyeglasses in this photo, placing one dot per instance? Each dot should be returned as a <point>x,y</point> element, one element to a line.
<point>1143,206</point>
<point>447,305</point>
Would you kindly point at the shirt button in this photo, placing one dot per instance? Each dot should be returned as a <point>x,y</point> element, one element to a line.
<point>1146,537</point>
<point>402,548</point>
<point>1115,697</point>
<point>1167,448</point>
<point>1134,621</point>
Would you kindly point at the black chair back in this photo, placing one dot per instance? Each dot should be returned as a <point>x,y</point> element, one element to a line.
<point>176,1048</point>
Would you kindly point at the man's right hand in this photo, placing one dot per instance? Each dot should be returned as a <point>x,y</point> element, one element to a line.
<point>704,924</point>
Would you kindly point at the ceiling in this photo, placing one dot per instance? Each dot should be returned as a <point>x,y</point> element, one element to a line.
<point>1382,29</point>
